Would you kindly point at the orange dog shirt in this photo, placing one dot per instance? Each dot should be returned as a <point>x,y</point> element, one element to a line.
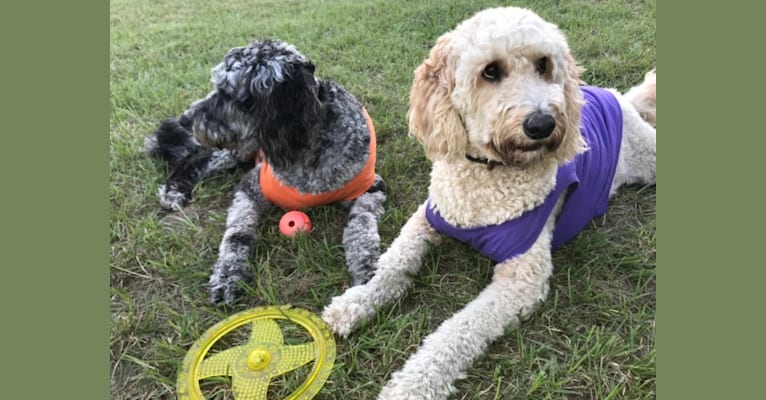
<point>290,198</point>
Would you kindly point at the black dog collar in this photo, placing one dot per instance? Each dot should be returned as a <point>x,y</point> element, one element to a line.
<point>489,163</point>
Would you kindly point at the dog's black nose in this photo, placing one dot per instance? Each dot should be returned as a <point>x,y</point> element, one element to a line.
<point>539,125</point>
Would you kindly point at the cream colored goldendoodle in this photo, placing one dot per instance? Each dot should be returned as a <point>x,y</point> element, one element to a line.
<point>523,158</point>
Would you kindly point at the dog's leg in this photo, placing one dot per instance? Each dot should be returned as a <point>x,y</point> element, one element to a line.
<point>638,151</point>
<point>242,219</point>
<point>177,190</point>
<point>171,142</point>
<point>174,143</point>
<point>391,280</point>
<point>644,98</point>
<point>518,286</point>
<point>361,242</point>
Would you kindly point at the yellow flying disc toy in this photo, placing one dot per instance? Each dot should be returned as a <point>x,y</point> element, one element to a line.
<point>264,355</point>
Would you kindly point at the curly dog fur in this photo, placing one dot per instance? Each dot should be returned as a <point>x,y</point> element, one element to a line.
<point>497,106</point>
<point>267,107</point>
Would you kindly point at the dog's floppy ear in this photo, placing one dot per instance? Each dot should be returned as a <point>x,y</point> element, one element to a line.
<point>433,119</point>
<point>573,142</point>
<point>283,121</point>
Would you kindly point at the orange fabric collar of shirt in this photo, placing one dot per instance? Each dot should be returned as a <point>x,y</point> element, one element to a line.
<point>291,199</point>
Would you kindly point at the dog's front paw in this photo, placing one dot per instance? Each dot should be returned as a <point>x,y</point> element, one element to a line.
<point>347,311</point>
<point>403,386</point>
<point>404,392</point>
<point>173,199</point>
<point>226,282</point>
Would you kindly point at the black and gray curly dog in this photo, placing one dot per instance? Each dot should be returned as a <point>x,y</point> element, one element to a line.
<point>310,141</point>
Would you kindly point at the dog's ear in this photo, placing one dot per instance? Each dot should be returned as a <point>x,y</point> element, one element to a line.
<point>573,142</point>
<point>433,119</point>
<point>284,120</point>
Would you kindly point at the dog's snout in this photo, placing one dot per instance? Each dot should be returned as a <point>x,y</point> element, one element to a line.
<point>539,125</point>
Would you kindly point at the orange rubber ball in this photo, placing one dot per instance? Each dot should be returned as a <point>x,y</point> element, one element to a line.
<point>294,222</point>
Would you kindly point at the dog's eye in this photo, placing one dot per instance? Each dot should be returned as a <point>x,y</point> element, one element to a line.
<point>491,72</point>
<point>542,65</point>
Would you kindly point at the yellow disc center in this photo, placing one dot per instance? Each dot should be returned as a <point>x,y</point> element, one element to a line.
<point>258,359</point>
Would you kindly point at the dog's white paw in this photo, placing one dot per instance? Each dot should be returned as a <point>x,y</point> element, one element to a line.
<point>407,389</point>
<point>347,311</point>
<point>424,377</point>
<point>415,388</point>
<point>171,199</point>
<point>401,394</point>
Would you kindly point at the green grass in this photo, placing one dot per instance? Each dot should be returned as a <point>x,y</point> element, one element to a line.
<point>592,339</point>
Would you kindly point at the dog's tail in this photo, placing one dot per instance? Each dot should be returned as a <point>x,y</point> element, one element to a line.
<point>644,97</point>
<point>172,142</point>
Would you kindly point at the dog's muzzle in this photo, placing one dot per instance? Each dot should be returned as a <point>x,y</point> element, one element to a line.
<point>538,125</point>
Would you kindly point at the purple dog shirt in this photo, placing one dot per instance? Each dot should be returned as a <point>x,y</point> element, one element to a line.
<point>586,180</point>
